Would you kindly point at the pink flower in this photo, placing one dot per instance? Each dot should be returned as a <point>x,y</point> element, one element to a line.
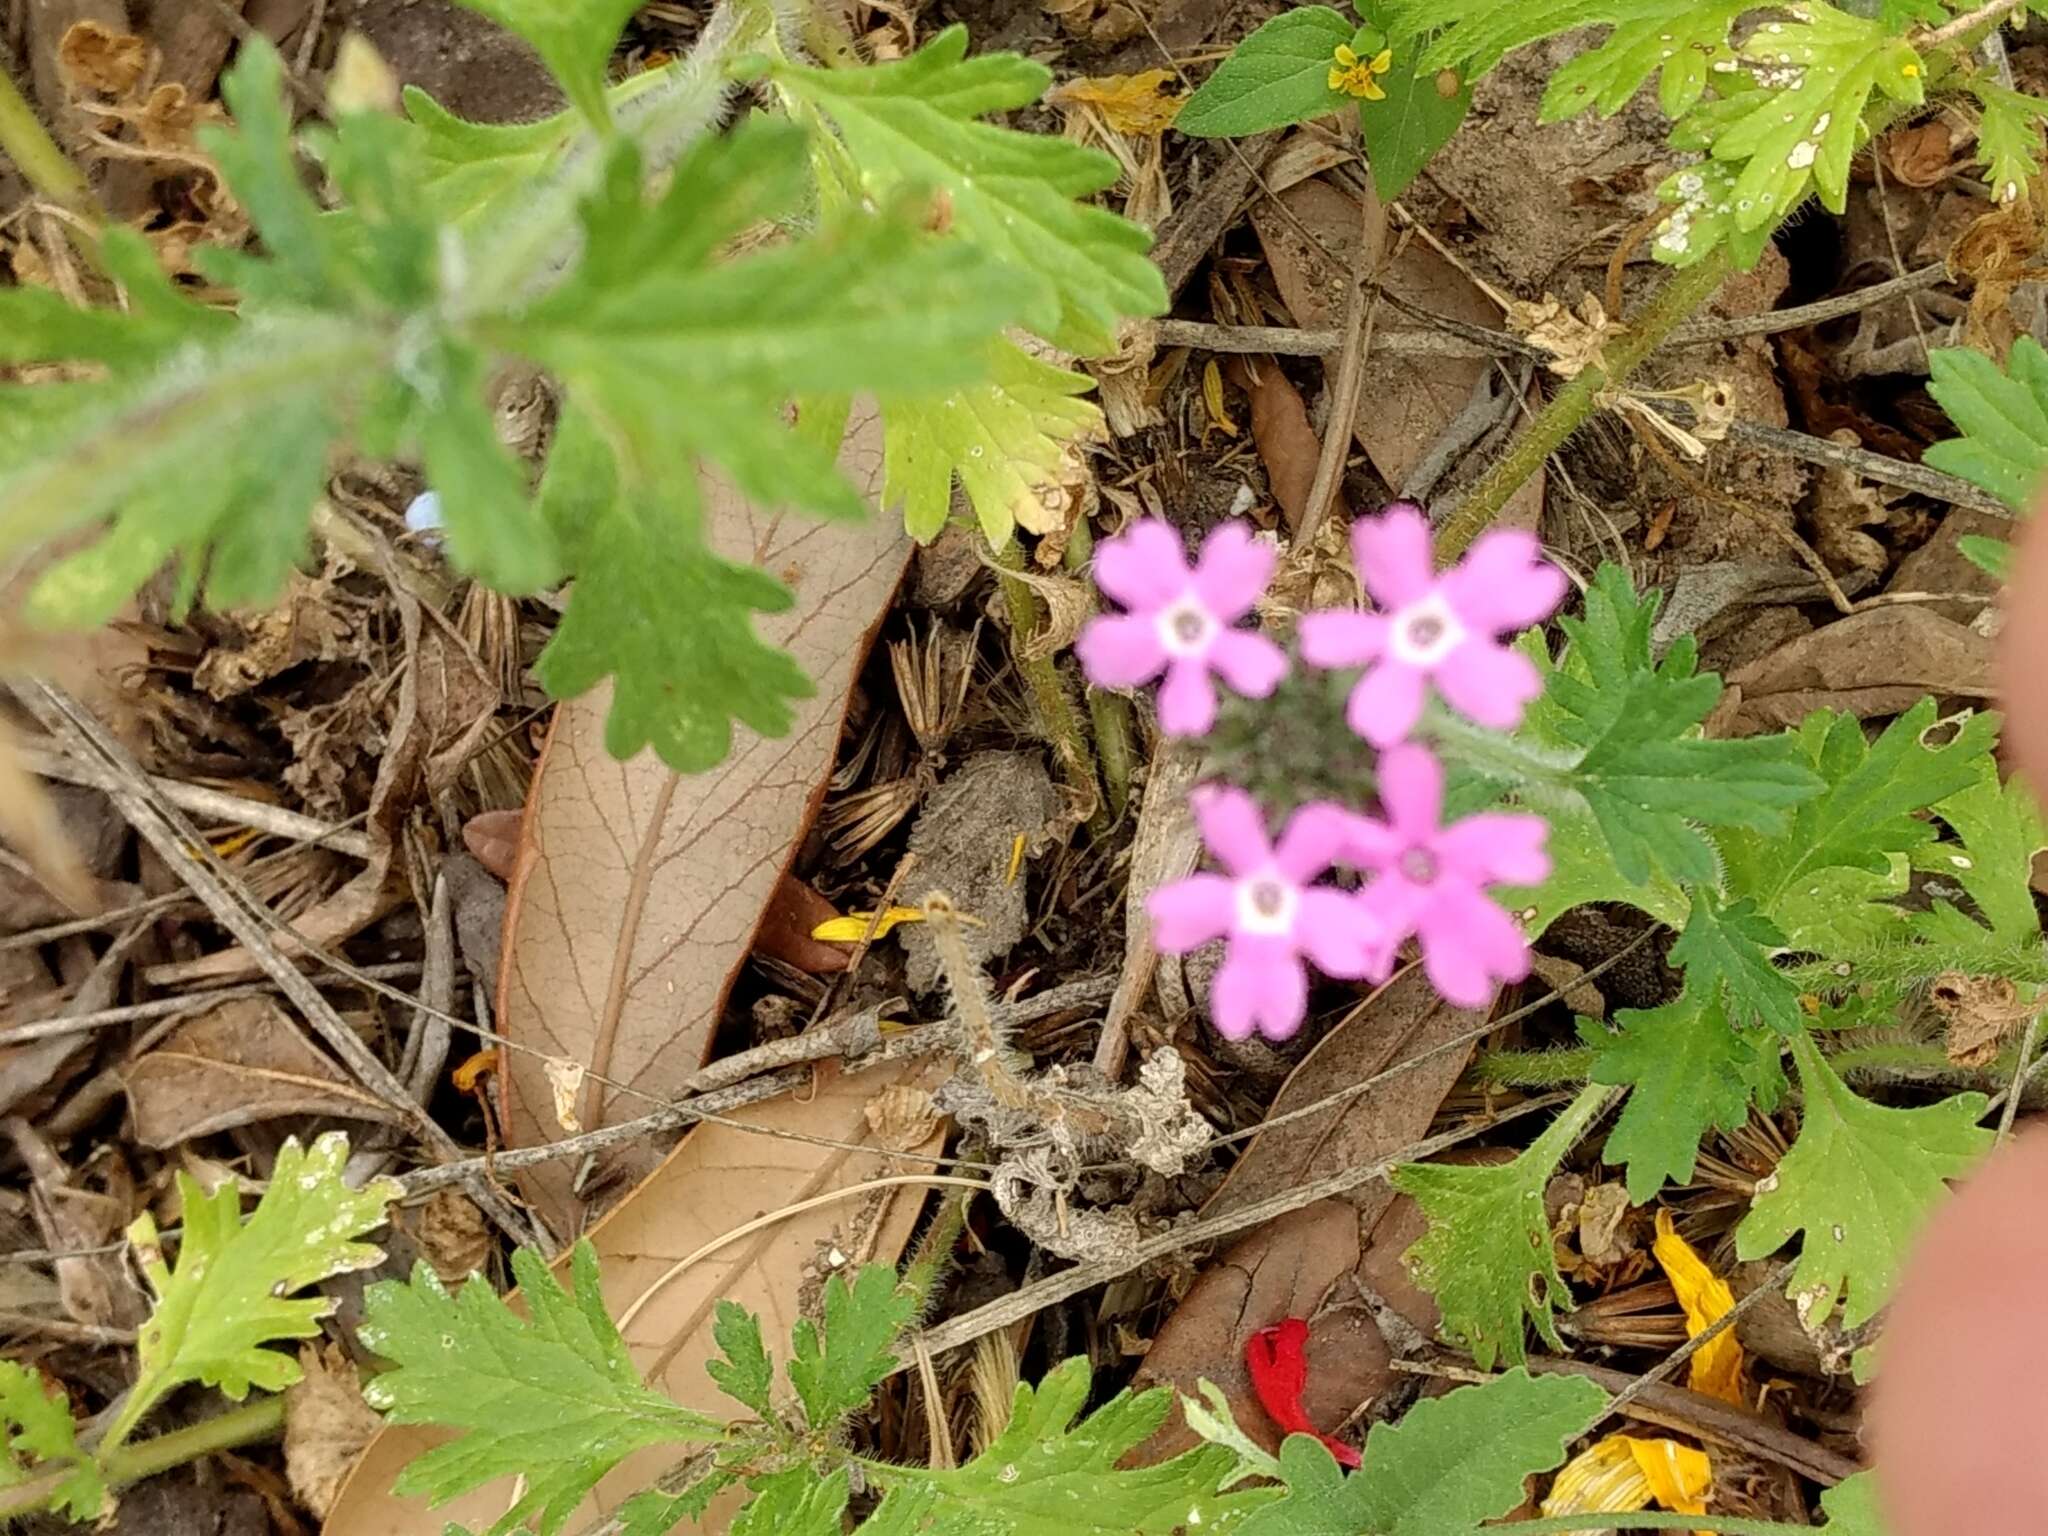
<point>1271,911</point>
<point>1430,880</point>
<point>1179,621</point>
<point>1441,629</point>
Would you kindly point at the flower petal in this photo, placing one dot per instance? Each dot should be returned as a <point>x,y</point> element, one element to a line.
<point>1187,704</point>
<point>1232,570</point>
<point>1143,567</point>
<point>1343,936</point>
<point>1496,848</point>
<point>1468,946</point>
<point>1312,839</point>
<point>1186,914</point>
<point>1251,664</point>
<point>1259,986</point>
<point>1120,650</point>
<point>1396,904</point>
<point>1504,584</point>
<point>1337,637</point>
<point>1232,828</point>
<point>1411,783</point>
<point>1393,555</point>
<point>1387,702</point>
<point>1488,683</point>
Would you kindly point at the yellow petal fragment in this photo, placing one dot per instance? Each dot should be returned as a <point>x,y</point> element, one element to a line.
<point>1679,1476</point>
<point>1382,61</point>
<point>853,927</point>
<point>1604,1478</point>
<point>1345,56</point>
<point>1717,1368</point>
<point>1212,398</point>
<point>1369,88</point>
<point>1131,104</point>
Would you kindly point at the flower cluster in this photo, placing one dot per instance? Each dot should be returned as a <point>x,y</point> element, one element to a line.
<point>1422,879</point>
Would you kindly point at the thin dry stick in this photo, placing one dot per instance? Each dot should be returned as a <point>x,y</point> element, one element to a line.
<point>161,1008</point>
<point>2019,1077</point>
<point>768,1219</point>
<point>1949,31</point>
<point>1297,341</point>
<point>1800,315</point>
<point>1030,1299</point>
<point>121,779</point>
<point>64,1331</point>
<point>1692,1346</point>
<point>1360,305</point>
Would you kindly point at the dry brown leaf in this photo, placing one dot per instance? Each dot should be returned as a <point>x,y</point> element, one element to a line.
<point>1939,565</point>
<point>902,1116</point>
<point>1131,104</point>
<point>638,891</point>
<point>718,1179</point>
<point>1287,444</point>
<point>238,1063</point>
<point>1844,504</point>
<point>1875,663</point>
<point>304,624</point>
<point>454,1238</point>
<point>30,824</point>
<point>1982,1011</point>
<point>1405,1018</point>
<point>1920,154</point>
<point>492,838</point>
<point>1098,21</point>
<point>785,932</point>
<point>1574,338</point>
<point>1406,402</point>
<point>326,1425</point>
<point>98,59</point>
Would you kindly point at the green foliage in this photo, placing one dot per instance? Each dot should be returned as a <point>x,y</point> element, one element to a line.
<point>1413,119</point>
<point>551,1397</point>
<point>233,1289</point>
<point>1689,1071</point>
<point>2000,829</point>
<point>836,1375</point>
<point>1487,1256</point>
<point>1278,76</point>
<point>1730,948</point>
<point>37,1435</point>
<point>2002,414</point>
<point>1675,44</point>
<point>1851,1507</point>
<point>745,1374</point>
<point>1450,1464</point>
<point>1858,1183</point>
<point>2008,138</point>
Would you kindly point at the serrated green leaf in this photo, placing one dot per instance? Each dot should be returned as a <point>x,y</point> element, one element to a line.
<point>1452,1463</point>
<point>1858,1182</point>
<point>1009,195</point>
<point>2002,414</point>
<point>1729,949</point>
<point>1689,1071</point>
<point>1472,36</point>
<point>552,1397</point>
<point>37,1435</point>
<point>40,325</point>
<point>1852,1508</point>
<point>495,526</point>
<point>1047,1475</point>
<point>656,1514</point>
<point>1413,119</point>
<point>467,167</point>
<point>1991,556</point>
<point>1005,439</point>
<point>256,156</point>
<point>1277,76</point>
<point>1675,46</point>
<point>2008,138</point>
<point>794,1503</point>
<point>2001,829</point>
<point>1582,870</point>
<point>835,1376</point>
<point>233,1288</point>
<point>1702,219</point>
<point>1487,1256</point>
<point>744,1375</point>
<point>574,38</point>
<point>1818,70</point>
<point>1897,15</point>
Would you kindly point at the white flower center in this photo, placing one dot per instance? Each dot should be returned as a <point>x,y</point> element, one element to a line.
<point>1185,627</point>
<point>1266,904</point>
<point>1419,865</point>
<point>1424,633</point>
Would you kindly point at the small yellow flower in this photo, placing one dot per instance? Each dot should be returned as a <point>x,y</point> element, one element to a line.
<point>1360,77</point>
<point>1910,70</point>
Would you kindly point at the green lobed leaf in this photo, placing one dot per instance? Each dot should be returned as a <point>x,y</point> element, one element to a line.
<point>1729,949</point>
<point>1991,556</point>
<point>1010,195</point>
<point>1405,128</point>
<point>574,38</point>
<point>1858,1182</point>
<point>744,1375</point>
<point>1004,438</point>
<point>2001,829</point>
<point>2008,138</point>
<point>1702,219</point>
<point>1852,1508</point>
<point>1048,1475</point>
<point>836,1375</point>
<point>37,1434</point>
<point>1689,1071</point>
<point>1676,46</point>
<point>798,1502</point>
<point>1487,1256</point>
<point>2002,414</point>
<point>552,1397</point>
<point>232,1290</point>
<point>1450,1464</point>
<point>1278,76</point>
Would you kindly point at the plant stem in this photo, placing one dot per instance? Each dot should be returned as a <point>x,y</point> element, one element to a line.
<point>1962,26</point>
<point>29,145</point>
<point>121,1465</point>
<point>1109,712</point>
<point>1675,301</point>
<point>1055,711</point>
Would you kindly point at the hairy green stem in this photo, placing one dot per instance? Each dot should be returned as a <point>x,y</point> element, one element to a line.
<point>29,145</point>
<point>1048,694</point>
<point>1109,712</point>
<point>1564,1067</point>
<point>120,1465</point>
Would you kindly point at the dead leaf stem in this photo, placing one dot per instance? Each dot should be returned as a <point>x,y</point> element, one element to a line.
<point>1048,694</point>
<point>1109,713</point>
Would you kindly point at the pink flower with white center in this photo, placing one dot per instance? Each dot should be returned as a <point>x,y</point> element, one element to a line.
<point>1272,912</point>
<point>1436,629</point>
<point>1180,621</point>
<point>1430,880</point>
